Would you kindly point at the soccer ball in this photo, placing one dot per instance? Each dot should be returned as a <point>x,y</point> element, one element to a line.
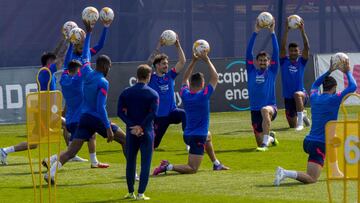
<point>68,26</point>
<point>265,19</point>
<point>77,36</point>
<point>168,37</point>
<point>201,46</point>
<point>90,15</point>
<point>106,15</point>
<point>294,21</point>
<point>339,60</point>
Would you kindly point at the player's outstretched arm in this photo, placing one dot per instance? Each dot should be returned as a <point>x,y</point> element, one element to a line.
<point>68,55</point>
<point>189,70</point>
<point>284,40</point>
<point>214,77</point>
<point>306,50</point>
<point>250,47</point>
<point>352,83</point>
<point>156,51</point>
<point>315,86</point>
<point>275,54</point>
<point>122,110</point>
<point>101,42</point>
<point>181,63</point>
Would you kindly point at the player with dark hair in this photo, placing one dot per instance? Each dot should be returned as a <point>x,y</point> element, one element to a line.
<point>94,116</point>
<point>292,77</point>
<point>324,108</point>
<point>261,84</point>
<point>196,99</point>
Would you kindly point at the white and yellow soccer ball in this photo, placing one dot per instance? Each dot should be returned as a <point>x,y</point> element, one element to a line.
<point>67,27</point>
<point>265,20</point>
<point>168,37</point>
<point>339,60</point>
<point>200,46</point>
<point>294,21</point>
<point>77,36</point>
<point>90,15</point>
<point>106,15</point>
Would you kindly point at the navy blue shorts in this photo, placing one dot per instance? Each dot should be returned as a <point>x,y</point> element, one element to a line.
<point>290,106</point>
<point>316,151</point>
<point>256,120</point>
<point>71,128</point>
<point>196,143</point>
<point>89,125</point>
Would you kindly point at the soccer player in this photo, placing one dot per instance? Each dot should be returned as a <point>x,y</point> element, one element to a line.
<point>324,107</point>
<point>163,82</point>
<point>196,99</point>
<point>94,116</point>
<point>137,107</point>
<point>261,84</point>
<point>51,61</point>
<point>292,77</point>
<point>75,52</point>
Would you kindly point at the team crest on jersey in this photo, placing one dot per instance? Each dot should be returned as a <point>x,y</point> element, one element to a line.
<point>260,78</point>
<point>164,88</point>
<point>293,69</point>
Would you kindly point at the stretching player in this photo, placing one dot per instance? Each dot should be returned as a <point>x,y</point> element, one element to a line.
<point>76,53</point>
<point>196,100</point>
<point>324,108</point>
<point>292,77</point>
<point>163,82</point>
<point>261,84</point>
<point>51,61</point>
<point>137,107</point>
<point>94,116</point>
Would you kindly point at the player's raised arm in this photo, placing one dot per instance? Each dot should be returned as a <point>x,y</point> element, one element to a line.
<point>305,51</point>
<point>189,70</point>
<point>156,51</point>
<point>250,47</point>
<point>315,86</point>
<point>181,63</point>
<point>122,110</point>
<point>94,50</point>
<point>275,54</point>
<point>352,83</point>
<point>284,40</point>
<point>214,77</point>
<point>68,55</point>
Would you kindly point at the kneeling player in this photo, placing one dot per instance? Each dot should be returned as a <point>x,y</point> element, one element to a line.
<point>94,117</point>
<point>196,100</point>
<point>261,83</point>
<point>324,107</point>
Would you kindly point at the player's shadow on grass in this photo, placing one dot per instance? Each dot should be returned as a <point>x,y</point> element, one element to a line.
<point>114,200</point>
<point>109,152</point>
<point>243,150</point>
<point>16,174</point>
<point>287,184</point>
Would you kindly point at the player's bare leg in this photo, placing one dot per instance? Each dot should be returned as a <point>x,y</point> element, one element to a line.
<point>209,148</point>
<point>299,101</point>
<point>311,176</point>
<point>266,112</point>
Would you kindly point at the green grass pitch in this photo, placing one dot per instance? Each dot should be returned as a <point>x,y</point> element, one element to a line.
<point>249,180</point>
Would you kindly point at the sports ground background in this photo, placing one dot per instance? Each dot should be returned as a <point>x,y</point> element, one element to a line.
<point>28,28</point>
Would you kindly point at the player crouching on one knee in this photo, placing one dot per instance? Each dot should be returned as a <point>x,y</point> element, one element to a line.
<point>261,84</point>
<point>196,99</point>
<point>324,108</point>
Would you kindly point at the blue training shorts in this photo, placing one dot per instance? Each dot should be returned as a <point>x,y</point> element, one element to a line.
<point>89,125</point>
<point>196,143</point>
<point>316,151</point>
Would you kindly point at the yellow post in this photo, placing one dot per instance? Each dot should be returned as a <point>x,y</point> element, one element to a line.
<point>43,116</point>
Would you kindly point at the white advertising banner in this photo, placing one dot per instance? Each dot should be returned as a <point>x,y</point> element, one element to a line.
<point>322,64</point>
